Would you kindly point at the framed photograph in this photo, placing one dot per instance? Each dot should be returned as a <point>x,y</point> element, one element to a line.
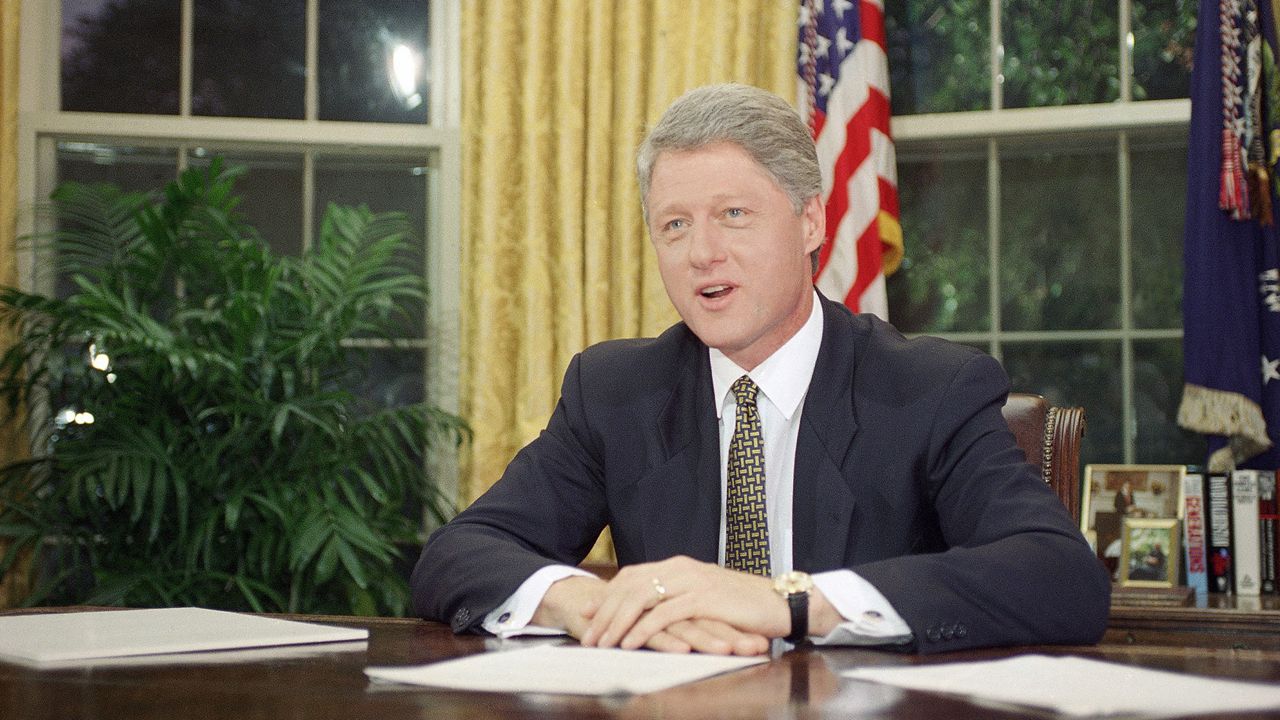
<point>1113,493</point>
<point>1149,552</point>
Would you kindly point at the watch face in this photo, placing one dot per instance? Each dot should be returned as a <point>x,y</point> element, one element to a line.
<point>794,582</point>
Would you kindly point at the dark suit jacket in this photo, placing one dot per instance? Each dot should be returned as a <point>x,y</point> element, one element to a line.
<point>905,472</point>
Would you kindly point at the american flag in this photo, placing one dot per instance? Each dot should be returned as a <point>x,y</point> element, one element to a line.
<point>844,95</point>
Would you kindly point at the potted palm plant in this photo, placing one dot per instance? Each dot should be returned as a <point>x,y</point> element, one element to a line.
<point>195,435</point>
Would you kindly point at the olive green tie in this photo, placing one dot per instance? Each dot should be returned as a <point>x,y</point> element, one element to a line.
<point>746,546</point>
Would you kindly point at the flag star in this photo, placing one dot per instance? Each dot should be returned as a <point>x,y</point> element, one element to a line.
<point>840,6</point>
<point>817,6</point>
<point>804,54</point>
<point>804,15</point>
<point>824,45</point>
<point>826,82</point>
<point>1270,370</point>
<point>843,44</point>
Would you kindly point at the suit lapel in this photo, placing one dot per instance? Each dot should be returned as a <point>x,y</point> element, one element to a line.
<point>822,504</point>
<point>684,492</point>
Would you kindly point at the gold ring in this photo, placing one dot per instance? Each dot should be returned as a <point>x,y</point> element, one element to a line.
<point>659,588</point>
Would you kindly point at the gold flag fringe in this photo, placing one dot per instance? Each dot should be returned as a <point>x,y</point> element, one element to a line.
<point>1218,412</point>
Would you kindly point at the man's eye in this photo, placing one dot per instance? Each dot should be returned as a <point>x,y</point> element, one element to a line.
<point>735,212</point>
<point>676,224</point>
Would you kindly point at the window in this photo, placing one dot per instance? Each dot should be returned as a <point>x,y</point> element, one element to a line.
<point>323,101</point>
<point>1042,178</point>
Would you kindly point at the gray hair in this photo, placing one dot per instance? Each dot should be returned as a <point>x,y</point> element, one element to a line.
<point>759,122</point>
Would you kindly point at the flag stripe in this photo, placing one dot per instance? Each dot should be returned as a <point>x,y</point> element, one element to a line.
<point>844,91</point>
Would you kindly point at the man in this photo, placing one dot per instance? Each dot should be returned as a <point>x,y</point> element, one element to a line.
<point>889,479</point>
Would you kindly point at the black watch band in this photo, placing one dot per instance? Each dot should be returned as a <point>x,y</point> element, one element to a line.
<point>799,604</point>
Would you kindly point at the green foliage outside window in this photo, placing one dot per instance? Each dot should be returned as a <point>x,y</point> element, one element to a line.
<point>1054,53</point>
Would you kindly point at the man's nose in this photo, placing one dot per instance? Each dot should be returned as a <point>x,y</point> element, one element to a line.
<point>707,245</point>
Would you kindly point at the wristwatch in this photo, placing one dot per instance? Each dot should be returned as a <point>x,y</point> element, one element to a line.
<point>794,587</point>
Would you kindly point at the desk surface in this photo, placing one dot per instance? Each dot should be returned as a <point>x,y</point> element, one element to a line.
<point>333,685</point>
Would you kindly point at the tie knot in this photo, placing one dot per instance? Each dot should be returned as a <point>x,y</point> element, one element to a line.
<point>745,390</point>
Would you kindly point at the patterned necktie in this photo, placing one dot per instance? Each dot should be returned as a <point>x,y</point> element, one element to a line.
<point>746,546</point>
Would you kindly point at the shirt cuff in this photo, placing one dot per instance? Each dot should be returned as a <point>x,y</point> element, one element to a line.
<point>512,617</point>
<point>869,618</point>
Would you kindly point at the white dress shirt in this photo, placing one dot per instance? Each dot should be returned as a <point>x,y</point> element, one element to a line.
<point>784,379</point>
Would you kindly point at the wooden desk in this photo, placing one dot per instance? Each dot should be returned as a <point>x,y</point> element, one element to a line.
<point>1218,621</point>
<point>333,685</point>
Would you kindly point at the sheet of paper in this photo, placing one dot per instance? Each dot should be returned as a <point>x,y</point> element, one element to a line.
<point>1079,686</point>
<point>62,638</point>
<point>565,669</point>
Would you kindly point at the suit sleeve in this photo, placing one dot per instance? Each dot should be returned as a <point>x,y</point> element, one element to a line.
<point>1017,570</point>
<point>547,508</point>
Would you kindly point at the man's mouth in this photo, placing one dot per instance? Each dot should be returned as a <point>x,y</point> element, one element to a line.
<point>715,291</point>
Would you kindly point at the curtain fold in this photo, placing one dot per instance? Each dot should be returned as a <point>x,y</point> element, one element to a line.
<point>13,589</point>
<point>554,251</point>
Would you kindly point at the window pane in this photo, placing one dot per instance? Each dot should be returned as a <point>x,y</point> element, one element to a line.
<point>944,279</point>
<point>270,194</point>
<point>390,378</point>
<point>140,169</point>
<point>382,186</point>
<point>1157,375</point>
<point>373,60</point>
<point>1085,374</point>
<point>939,55</point>
<point>1163,35</point>
<point>249,58</point>
<point>1059,245</point>
<point>1060,53</point>
<point>1158,197</point>
<point>121,56</point>
<point>132,169</point>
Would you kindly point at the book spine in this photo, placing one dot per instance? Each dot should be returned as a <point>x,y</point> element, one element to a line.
<point>1246,550</point>
<point>1217,515</point>
<point>1267,528</point>
<point>1193,535</point>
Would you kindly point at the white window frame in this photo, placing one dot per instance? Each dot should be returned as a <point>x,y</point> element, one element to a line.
<point>41,123</point>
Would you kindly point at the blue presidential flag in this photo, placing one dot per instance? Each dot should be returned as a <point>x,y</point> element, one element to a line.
<point>1231,300</point>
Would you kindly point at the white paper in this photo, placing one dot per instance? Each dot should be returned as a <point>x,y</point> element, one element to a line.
<point>1080,686</point>
<point>213,657</point>
<point>50,639</point>
<point>560,669</point>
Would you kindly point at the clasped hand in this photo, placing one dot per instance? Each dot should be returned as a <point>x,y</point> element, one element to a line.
<point>675,605</point>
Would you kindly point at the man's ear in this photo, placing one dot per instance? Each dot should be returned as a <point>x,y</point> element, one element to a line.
<point>814,217</point>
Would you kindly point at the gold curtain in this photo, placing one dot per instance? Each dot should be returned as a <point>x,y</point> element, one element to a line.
<point>555,255</point>
<point>12,589</point>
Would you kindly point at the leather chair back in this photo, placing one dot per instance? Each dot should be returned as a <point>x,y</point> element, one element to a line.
<point>1050,438</point>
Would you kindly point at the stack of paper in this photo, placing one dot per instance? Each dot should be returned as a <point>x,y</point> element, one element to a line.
<point>61,638</point>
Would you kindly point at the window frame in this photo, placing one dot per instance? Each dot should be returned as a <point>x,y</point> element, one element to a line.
<point>41,124</point>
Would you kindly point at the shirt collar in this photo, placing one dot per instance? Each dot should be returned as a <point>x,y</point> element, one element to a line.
<point>784,376</point>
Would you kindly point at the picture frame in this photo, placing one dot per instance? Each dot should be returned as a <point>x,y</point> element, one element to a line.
<point>1112,493</point>
<point>1150,552</point>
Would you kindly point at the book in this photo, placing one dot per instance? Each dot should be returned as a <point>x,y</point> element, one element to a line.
<point>1246,549</point>
<point>1267,527</point>
<point>1217,515</point>
<point>1193,536</point>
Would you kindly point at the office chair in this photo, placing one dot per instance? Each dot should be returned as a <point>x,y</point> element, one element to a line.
<point>1050,438</point>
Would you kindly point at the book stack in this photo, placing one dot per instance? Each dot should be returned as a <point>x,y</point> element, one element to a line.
<point>1230,535</point>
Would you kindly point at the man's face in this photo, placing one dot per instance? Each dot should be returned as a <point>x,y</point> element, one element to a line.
<point>733,253</point>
